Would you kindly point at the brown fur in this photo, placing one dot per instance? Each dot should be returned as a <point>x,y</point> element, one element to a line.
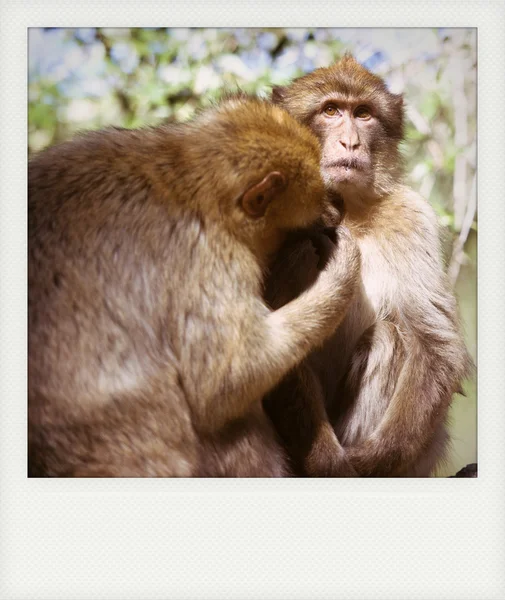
<point>150,346</point>
<point>388,374</point>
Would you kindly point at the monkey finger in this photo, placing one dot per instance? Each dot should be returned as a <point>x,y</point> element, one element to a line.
<point>306,254</point>
<point>331,232</point>
<point>331,216</point>
<point>324,248</point>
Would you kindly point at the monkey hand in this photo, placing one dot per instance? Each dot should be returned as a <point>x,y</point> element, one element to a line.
<point>327,458</point>
<point>293,271</point>
<point>342,260</point>
<point>332,214</point>
<point>324,243</point>
<point>363,458</point>
<point>330,297</point>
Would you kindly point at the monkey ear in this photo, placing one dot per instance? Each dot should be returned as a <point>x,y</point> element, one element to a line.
<point>278,94</point>
<point>257,198</point>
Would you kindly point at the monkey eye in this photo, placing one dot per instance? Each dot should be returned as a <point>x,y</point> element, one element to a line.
<point>362,112</point>
<point>331,110</point>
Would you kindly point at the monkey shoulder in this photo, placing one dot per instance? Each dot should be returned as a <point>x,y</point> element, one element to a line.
<point>416,211</point>
<point>400,253</point>
<point>407,230</point>
<point>415,249</point>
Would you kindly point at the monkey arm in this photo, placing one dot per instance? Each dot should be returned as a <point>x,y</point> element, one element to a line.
<point>296,407</point>
<point>419,404</point>
<point>293,271</point>
<point>304,323</point>
<point>435,362</point>
<point>298,263</point>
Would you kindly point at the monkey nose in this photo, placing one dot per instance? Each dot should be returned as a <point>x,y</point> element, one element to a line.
<point>349,145</point>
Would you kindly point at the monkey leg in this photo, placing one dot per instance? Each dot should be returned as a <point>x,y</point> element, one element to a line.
<point>153,436</point>
<point>296,407</point>
<point>246,447</point>
<point>369,384</point>
<point>431,459</point>
<point>83,454</point>
<point>144,435</point>
<point>367,391</point>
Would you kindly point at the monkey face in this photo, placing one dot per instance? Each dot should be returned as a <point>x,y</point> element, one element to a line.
<point>347,133</point>
<point>359,124</point>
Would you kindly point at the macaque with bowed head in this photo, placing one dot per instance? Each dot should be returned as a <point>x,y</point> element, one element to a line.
<point>150,346</point>
<point>374,400</point>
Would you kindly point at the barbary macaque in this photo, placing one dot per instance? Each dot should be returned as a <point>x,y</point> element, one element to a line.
<point>150,346</point>
<point>386,378</point>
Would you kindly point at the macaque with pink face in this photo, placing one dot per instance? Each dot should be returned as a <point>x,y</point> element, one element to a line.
<point>376,396</point>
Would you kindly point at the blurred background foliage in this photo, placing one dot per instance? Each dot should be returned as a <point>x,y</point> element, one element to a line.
<point>91,78</point>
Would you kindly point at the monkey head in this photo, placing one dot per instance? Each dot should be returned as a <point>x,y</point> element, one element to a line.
<point>359,124</point>
<point>266,170</point>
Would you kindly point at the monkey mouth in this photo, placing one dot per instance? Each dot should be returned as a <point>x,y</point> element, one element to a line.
<point>346,170</point>
<point>347,163</point>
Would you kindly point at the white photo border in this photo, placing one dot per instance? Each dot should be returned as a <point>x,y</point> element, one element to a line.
<point>238,539</point>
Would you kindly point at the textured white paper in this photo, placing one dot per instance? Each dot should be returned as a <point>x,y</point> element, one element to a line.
<point>238,539</point>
